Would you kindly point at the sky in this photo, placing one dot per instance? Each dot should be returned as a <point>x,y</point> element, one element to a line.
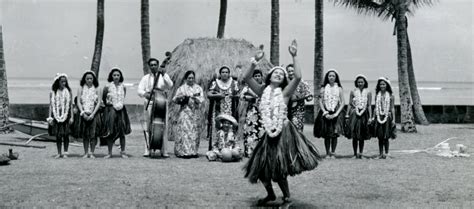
<point>42,37</point>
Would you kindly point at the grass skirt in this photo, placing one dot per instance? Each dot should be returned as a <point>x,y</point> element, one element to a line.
<point>274,159</point>
<point>386,130</point>
<point>116,123</point>
<point>59,129</point>
<point>328,128</point>
<point>358,126</point>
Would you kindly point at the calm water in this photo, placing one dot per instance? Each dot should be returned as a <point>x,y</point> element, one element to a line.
<point>24,90</point>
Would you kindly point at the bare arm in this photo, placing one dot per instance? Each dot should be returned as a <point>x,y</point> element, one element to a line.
<point>293,84</point>
<point>341,102</point>
<point>212,93</point>
<point>321,104</point>
<point>50,113</point>
<point>257,88</point>
<point>392,107</point>
<point>351,97</point>
<point>98,92</point>
<point>369,104</point>
<point>79,104</point>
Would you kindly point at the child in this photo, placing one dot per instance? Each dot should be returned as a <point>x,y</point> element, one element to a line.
<point>88,105</point>
<point>385,127</point>
<point>116,121</point>
<point>359,115</point>
<point>329,123</point>
<point>225,146</point>
<point>60,113</point>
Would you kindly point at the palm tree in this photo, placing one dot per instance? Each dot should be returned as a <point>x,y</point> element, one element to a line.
<point>222,16</point>
<point>397,10</point>
<point>145,33</point>
<point>417,107</point>
<point>99,38</point>
<point>318,53</point>
<point>275,33</point>
<point>4,101</point>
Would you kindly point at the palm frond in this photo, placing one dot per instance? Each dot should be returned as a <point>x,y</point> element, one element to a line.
<point>367,7</point>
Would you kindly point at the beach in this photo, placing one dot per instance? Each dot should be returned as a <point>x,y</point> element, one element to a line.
<point>36,91</point>
<point>417,180</point>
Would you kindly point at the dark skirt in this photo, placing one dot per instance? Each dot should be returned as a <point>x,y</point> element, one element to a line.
<point>387,130</point>
<point>328,128</point>
<point>90,129</point>
<point>115,123</point>
<point>75,128</point>
<point>59,129</point>
<point>274,159</point>
<point>358,126</point>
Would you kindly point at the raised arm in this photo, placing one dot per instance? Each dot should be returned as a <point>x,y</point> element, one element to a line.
<point>293,84</point>
<point>256,88</point>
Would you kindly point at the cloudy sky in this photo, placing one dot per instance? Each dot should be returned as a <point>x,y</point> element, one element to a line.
<point>42,37</point>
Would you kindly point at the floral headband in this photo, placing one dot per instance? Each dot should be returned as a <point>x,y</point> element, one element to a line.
<point>332,70</point>
<point>90,71</point>
<point>278,68</point>
<point>386,80</point>
<point>361,76</point>
<point>59,75</point>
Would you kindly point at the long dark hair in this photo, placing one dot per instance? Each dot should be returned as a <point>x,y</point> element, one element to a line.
<point>366,85</point>
<point>95,82</point>
<point>110,78</point>
<point>326,79</point>
<point>388,88</point>
<point>282,85</point>
<point>55,85</point>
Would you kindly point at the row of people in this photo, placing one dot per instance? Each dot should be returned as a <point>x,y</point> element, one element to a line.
<point>358,122</point>
<point>84,119</point>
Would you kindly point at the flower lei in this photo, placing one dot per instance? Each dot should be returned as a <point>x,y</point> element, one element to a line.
<point>273,110</point>
<point>382,106</point>
<point>331,97</point>
<point>60,102</point>
<point>360,101</point>
<point>224,85</point>
<point>88,98</point>
<point>117,95</point>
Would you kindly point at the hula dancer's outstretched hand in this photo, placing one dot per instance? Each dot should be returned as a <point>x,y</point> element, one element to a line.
<point>293,48</point>
<point>260,54</point>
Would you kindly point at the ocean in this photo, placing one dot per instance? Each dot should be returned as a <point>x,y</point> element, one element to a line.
<point>36,91</point>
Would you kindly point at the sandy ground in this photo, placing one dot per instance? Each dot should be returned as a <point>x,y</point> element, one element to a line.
<point>416,180</point>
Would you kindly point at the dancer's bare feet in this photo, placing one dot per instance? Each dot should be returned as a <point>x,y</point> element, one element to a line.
<point>57,156</point>
<point>264,201</point>
<point>91,156</point>
<point>85,156</point>
<point>107,156</point>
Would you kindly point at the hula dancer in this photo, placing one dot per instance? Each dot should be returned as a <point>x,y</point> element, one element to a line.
<point>88,105</point>
<point>116,121</point>
<point>385,127</point>
<point>60,113</point>
<point>329,123</point>
<point>359,115</point>
<point>283,150</point>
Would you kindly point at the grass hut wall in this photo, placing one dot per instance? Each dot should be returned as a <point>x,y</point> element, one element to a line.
<point>204,56</point>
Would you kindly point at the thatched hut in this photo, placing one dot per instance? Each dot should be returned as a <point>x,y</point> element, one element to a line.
<point>205,56</point>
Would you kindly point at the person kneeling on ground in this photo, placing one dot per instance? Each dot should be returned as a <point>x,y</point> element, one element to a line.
<point>225,147</point>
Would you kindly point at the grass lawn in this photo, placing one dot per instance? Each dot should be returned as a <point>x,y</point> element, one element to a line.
<point>417,180</point>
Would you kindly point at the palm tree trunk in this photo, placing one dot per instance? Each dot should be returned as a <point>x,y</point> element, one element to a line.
<point>4,101</point>
<point>145,33</point>
<point>318,53</point>
<point>417,107</point>
<point>275,34</point>
<point>222,16</point>
<point>407,121</point>
<point>99,38</point>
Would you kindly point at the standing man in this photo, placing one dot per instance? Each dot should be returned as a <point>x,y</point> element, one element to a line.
<point>145,90</point>
<point>296,106</point>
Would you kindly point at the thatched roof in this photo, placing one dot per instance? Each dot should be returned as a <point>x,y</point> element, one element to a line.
<point>205,56</point>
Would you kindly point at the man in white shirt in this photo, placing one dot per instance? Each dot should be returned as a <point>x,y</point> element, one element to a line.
<point>145,88</point>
